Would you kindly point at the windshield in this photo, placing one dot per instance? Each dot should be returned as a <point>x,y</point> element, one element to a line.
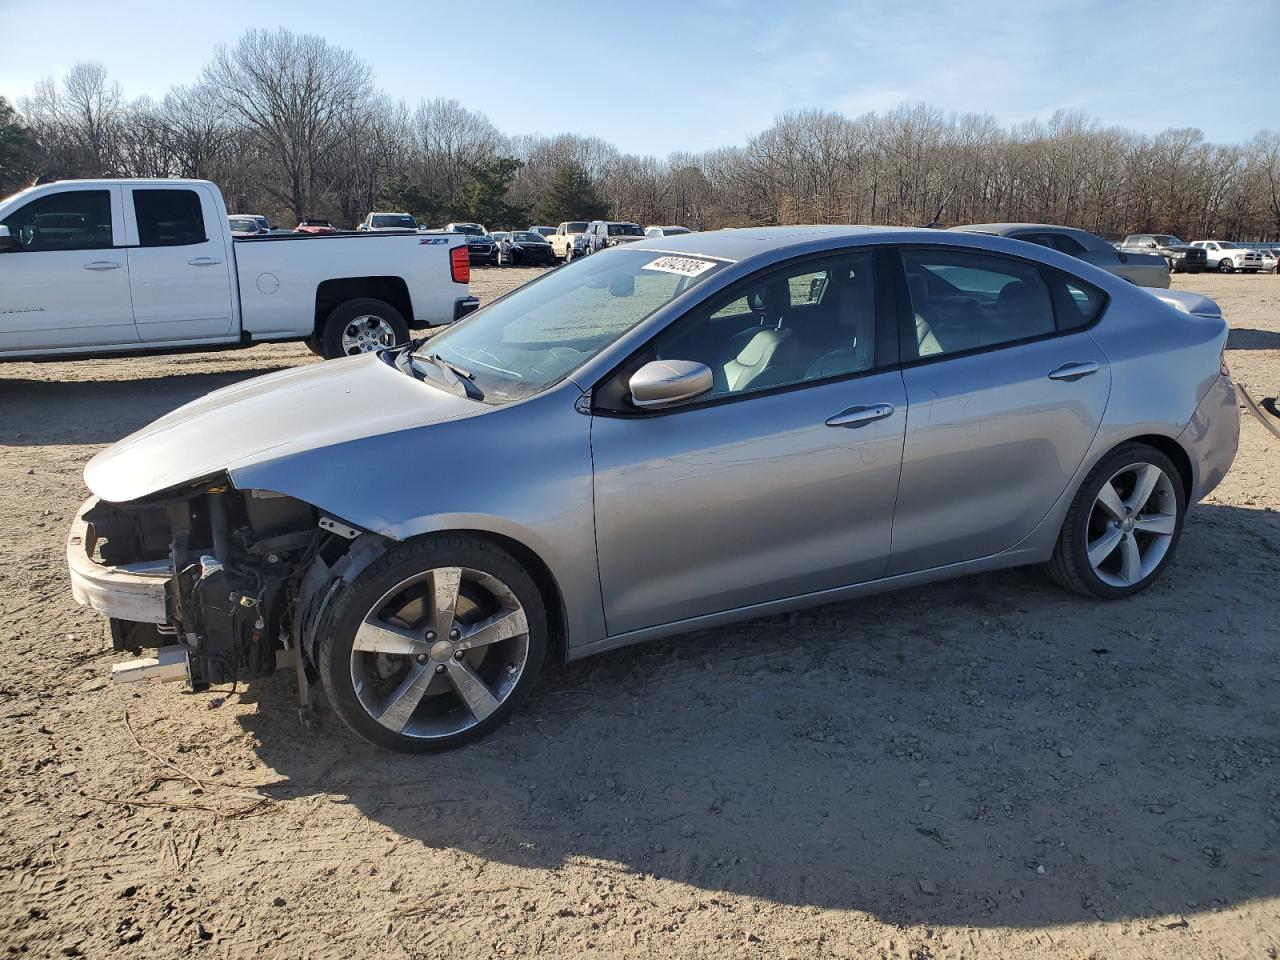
<point>576,227</point>
<point>1165,240</point>
<point>625,230</point>
<point>528,238</point>
<point>534,337</point>
<point>1225,245</point>
<point>237,224</point>
<point>395,221</point>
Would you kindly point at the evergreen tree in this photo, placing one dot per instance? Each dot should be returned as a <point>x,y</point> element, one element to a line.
<point>570,196</point>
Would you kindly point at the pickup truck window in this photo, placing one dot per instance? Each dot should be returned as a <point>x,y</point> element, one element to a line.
<point>69,220</point>
<point>168,218</point>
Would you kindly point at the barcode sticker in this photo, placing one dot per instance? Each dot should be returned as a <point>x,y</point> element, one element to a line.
<point>685,266</point>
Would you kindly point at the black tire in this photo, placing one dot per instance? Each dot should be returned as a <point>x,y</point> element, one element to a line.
<point>331,334</point>
<point>315,346</point>
<point>568,253</point>
<point>1226,266</point>
<point>1069,566</point>
<point>354,601</point>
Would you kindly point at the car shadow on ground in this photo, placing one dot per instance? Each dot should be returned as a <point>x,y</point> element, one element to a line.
<point>55,412</point>
<point>1247,338</point>
<point>990,751</point>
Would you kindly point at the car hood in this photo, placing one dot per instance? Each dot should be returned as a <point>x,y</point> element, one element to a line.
<point>267,418</point>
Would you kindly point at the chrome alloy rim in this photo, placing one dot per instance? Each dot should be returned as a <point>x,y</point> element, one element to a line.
<point>1131,524</point>
<point>439,652</point>
<point>366,334</point>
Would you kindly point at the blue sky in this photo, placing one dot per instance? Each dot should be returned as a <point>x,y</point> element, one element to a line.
<point>663,75</point>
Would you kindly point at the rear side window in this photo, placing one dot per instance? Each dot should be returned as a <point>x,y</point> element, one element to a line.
<point>168,218</point>
<point>69,220</point>
<point>1077,303</point>
<point>962,301</point>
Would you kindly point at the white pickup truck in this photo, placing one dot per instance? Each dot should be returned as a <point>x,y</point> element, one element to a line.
<point>97,267</point>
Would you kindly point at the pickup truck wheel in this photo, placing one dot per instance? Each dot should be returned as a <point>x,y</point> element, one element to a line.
<point>434,645</point>
<point>568,253</point>
<point>362,326</point>
<point>1226,266</point>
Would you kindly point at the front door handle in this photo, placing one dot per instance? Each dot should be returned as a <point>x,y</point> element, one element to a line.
<point>100,265</point>
<point>204,262</point>
<point>861,415</point>
<point>1074,371</point>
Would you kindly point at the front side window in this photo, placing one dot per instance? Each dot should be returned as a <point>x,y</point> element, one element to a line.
<point>406,222</point>
<point>68,220</point>
<point>961,300</point>
<point>625,230</point>
<point>802,323</point>
<point>168,218</point>
<point>534,337</point>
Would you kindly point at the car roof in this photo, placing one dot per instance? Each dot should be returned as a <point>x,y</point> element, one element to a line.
<point>742,243</point>
<point>1002,229</point>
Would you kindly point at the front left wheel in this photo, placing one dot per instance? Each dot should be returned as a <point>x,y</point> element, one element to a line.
<point>434,645</point>
<point>1123,526</point>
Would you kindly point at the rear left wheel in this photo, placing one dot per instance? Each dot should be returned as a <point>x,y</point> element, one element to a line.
<point>360,326</point>
<point>1123,526</point>
<point>434,645</point>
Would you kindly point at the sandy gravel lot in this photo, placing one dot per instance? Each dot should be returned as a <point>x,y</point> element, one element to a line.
<point>986,768</point>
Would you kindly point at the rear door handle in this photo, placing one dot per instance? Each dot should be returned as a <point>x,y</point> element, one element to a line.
<point>204,262</point>
<point>1074,371</point>
<point>861,415</point>
<point>99,265</point>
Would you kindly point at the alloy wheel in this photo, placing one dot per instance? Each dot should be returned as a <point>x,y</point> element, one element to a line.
<point>366,334</point>
<point>1131,524</point>
<point>439,652</point>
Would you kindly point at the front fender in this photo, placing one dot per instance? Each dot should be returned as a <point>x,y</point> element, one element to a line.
<point>521,471</point>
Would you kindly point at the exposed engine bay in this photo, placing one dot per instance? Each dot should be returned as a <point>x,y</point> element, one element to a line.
<point>238,594</point>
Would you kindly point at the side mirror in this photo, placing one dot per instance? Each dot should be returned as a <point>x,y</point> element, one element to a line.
<point>8,242</point>
<point>668,383</point>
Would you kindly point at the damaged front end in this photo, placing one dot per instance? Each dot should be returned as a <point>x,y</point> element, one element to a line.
<point>228,583</point>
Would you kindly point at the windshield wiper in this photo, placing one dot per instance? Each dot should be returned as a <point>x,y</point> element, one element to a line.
<point>458,380</point>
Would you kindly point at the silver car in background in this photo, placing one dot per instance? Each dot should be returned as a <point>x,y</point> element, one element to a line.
<point>662,437</point>
<point>1144,269</point>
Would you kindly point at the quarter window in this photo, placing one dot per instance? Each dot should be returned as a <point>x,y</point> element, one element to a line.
<point>168,218</point>
<point>69,220</point>
<point>964,301</point>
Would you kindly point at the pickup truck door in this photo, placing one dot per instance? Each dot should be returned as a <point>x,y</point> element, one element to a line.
<point>179,263</point>
<point>67,282</point>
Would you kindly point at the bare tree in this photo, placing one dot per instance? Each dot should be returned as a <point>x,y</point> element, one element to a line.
<point>297,95</point>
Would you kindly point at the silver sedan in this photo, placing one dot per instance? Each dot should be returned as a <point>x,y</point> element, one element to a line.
<point>1144,269</point>
<point>669,435</point>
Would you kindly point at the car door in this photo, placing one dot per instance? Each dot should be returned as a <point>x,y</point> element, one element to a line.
<point>775,484</point>
<point>1005,393</point>
<point>179,264</point>
<point>65,281</point>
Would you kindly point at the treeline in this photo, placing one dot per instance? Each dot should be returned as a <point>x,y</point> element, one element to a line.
<point>292,126</point>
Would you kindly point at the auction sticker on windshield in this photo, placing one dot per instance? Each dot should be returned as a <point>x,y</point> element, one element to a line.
<point>685,266</point>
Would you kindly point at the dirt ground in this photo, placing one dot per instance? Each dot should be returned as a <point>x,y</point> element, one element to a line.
<point>985,768</point>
